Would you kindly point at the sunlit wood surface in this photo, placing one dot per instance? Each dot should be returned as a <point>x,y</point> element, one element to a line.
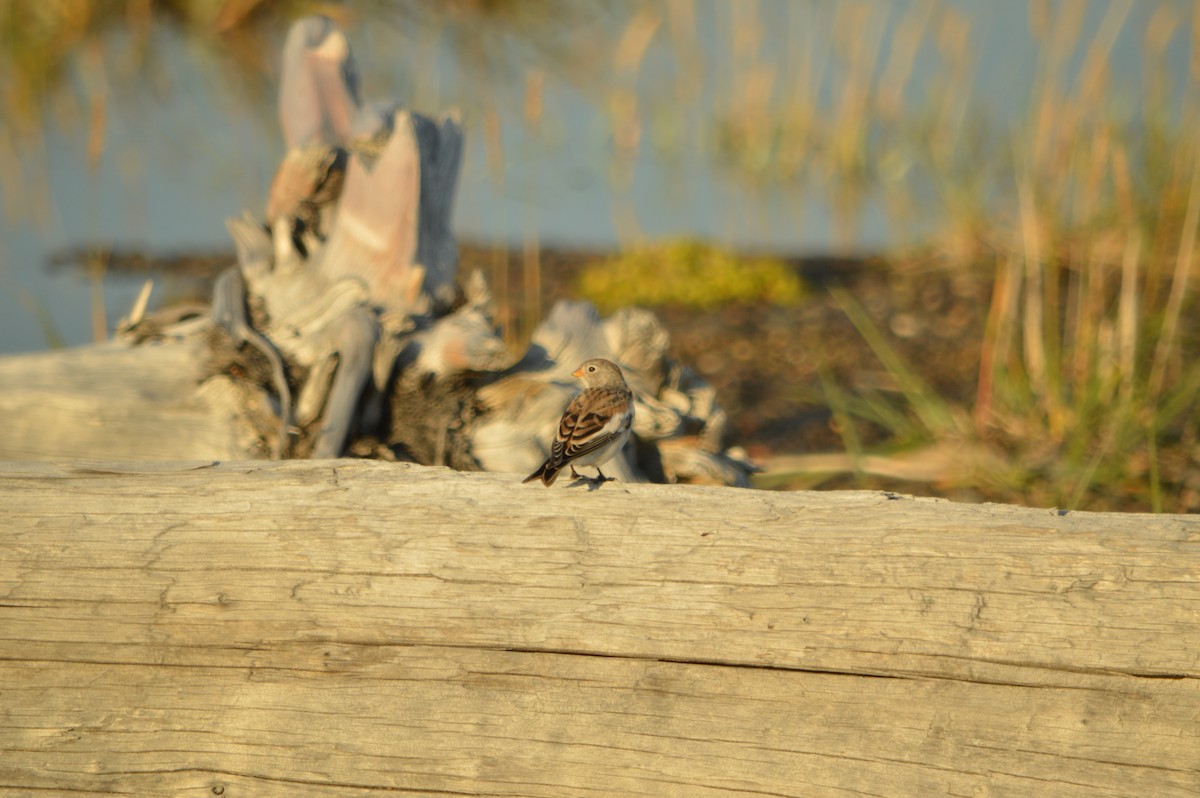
<point>338,628</point>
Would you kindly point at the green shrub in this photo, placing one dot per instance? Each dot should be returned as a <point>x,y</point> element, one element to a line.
<point>688,274</point>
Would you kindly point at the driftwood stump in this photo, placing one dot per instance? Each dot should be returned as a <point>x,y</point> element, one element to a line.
<point>338,628</point>
<point>344,326</point>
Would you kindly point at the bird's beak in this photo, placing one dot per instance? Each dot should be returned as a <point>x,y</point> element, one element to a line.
<point>577,372</point>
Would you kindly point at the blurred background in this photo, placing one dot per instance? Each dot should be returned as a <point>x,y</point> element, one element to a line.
<point>939,246</point>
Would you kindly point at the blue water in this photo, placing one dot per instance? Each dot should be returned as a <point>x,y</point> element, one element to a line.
<point>178,162</point>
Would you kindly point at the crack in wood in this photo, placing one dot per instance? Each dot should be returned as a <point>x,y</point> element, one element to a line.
<point>229,774</point>
<point>634,657</point>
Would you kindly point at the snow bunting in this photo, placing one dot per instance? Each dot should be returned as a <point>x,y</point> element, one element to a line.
<point>595,425</point>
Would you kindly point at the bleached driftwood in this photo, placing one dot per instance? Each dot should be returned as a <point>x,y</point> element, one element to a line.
<point>361,628</point>
<point>159,401</point>
<point>676,418</point>
<point>344,319</point>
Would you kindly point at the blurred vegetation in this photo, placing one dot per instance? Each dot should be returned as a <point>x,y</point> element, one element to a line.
<point>1081,214</point>
<point>63,62</point>
<point>688,274</point>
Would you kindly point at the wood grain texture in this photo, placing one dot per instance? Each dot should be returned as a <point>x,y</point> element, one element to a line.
<point>152,402</point>
<point>336,628</point>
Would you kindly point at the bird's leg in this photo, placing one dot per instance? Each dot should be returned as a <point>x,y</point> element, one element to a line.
<point>575,474</point>
<point>602,479</point>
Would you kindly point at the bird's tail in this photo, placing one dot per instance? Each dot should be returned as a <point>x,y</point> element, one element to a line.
<point>547,474</point>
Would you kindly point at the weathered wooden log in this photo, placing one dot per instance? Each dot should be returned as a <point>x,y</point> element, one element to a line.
<point>344,628</point>
<point>162,400</point>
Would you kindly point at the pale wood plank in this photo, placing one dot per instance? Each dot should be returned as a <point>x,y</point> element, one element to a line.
<point>356,628</point>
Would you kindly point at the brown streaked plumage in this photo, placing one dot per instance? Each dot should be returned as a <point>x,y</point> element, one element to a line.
<point>595,425</point>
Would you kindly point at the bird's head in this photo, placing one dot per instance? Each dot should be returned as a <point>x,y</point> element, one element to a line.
<point>599,372</point>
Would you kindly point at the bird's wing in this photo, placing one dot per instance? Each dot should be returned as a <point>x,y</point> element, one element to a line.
<point>593,418</point>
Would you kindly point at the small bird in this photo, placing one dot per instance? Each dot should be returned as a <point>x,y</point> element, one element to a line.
<point>595,425</point>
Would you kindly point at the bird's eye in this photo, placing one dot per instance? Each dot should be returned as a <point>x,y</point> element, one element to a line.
<point>591,368</point>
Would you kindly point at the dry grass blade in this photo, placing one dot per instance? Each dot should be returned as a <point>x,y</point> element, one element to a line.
<point>1168,339</point>
<point>933,413</point>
